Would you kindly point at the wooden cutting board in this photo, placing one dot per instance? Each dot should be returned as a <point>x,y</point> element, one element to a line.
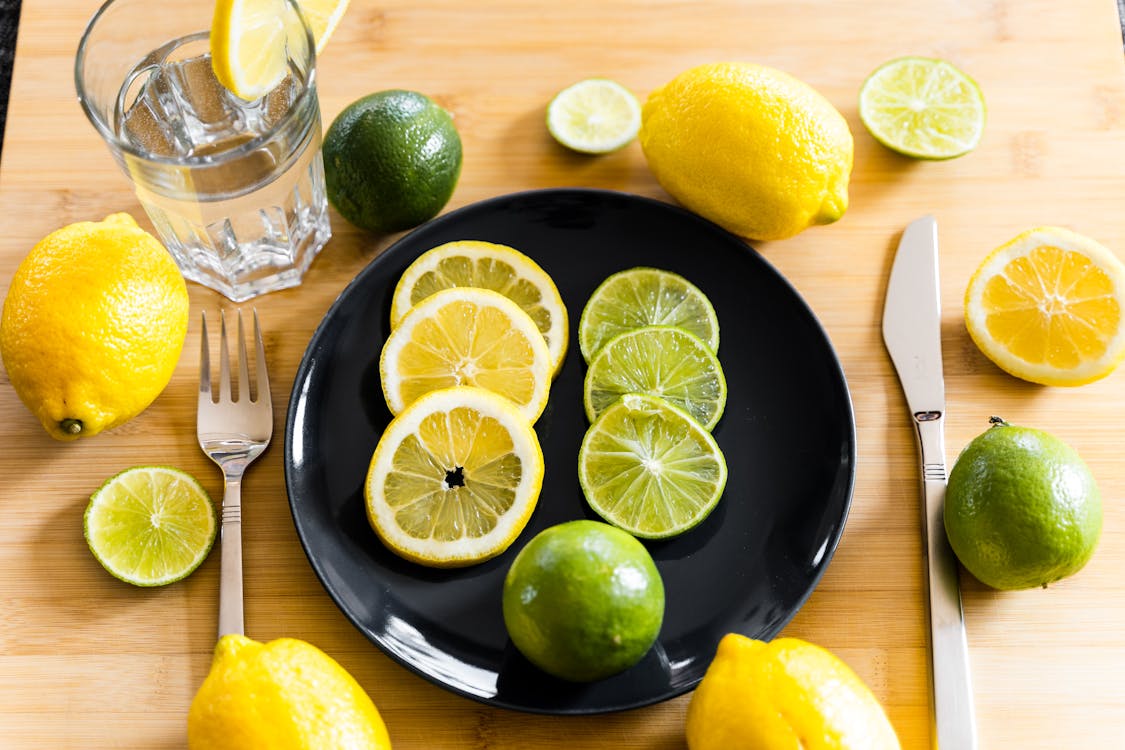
<point>88,662</point>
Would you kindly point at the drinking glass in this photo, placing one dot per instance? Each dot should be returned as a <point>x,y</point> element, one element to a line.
<point>234,189</point>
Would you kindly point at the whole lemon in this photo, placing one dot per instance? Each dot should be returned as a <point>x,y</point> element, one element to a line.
<point>751,148</point>
<point>93,325</point>
<point>284,695</point>
<point>782,695</point>
<point>1022,508</point>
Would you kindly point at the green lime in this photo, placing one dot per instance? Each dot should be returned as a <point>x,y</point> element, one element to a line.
<point>923,108</point>
<point>150,525</point>
<point>595,116</point>
<point>660,361</point>
<point>647,467</point>
<point>1022,509</point>
<point>391,160</point>
<point>583,601</point>
<point>642,297</point>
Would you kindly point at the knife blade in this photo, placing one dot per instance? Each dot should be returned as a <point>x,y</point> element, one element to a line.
<point>912,335</point>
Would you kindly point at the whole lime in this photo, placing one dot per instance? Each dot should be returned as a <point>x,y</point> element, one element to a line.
<point>583,600</point>
<point>391,160</point>
<point>1022,508</point>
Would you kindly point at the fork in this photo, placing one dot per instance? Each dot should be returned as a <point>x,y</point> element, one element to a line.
<point>233,432</point>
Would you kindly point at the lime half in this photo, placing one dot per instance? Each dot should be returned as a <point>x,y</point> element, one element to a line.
<point>594,116</point>
<point>150,525</point>
<point>642,297</point>
<point>923,108</point>
<point>649,468</point>
<point>660,361</point>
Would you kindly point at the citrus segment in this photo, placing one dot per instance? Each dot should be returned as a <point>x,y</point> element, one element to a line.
<point>454,478</point>
<point>467,336</point>
<point>649,468</point>
<point>595,116</point>
<point>487,265</point>
<point>248,52</point>
<point>924,108</point>
<point>1047,307</point>
<point>323,16</point>
<point>660,361</point>
<point>642,297</point>
<point>150,525</point>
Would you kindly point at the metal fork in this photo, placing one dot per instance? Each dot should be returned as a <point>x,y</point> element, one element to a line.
<point>233,433</point>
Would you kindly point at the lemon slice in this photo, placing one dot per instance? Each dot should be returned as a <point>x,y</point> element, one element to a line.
<point>1047,307</point>
<point>642,297</point>
<point>454,478</point>
<point>595,116</point>
<point>649,468</point>
<point>660,361</point>
<point>248,46</point>
<point>924,108</point>
<point>467,336</point>
<point>487,266</point>
<point>323,16</point>
<point>248,40</point>
<point>150,525</point>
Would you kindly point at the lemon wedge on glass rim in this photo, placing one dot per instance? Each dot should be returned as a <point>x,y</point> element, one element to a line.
<point>249,37</point>
<point>454,478</point>
<point>1047,307</point>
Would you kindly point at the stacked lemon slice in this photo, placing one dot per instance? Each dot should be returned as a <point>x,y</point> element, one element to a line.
<point>478,332</point>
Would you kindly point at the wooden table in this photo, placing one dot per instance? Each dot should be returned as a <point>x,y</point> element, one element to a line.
<point>89,662</point>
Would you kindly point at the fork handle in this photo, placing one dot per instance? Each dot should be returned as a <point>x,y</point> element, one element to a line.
<point>230,575</point>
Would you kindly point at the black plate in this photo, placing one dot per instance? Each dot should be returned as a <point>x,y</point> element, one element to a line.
<point>788,436</point>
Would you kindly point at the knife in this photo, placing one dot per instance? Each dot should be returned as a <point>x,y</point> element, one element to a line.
<point>912,334</point>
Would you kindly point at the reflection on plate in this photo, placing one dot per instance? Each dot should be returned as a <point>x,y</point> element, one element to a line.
<point>788,435</point>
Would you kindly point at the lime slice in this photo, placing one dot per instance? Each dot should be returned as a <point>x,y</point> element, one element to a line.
<point>594,116</point>
<point>649,468</point>
<point>923,108</point>
<point>150,525</point>
<point>660,361</point>
<point>643,297</point>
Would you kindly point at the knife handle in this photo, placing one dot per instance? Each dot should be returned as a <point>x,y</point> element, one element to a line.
<point>954,719</point>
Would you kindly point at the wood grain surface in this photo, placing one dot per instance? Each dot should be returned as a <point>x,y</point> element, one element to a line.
<point>89,662</point>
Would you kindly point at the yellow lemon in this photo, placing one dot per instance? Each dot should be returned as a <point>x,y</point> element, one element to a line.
<point>784,695</point>
<point>283,695</point>
<point>751,148</point>
<point>1048,307</point>
<point>93,325</point>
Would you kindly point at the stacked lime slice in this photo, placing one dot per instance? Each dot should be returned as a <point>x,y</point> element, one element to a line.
<point>654,389</point>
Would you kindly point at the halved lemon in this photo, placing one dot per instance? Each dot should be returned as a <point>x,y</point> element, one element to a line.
<point>487,265</point>
<point>249,37</point>
<point>454,478</point>
<point>467,336</point>
<point>1048,307</point>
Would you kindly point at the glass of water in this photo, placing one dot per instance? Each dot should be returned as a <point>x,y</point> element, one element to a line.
<point>235,189</point>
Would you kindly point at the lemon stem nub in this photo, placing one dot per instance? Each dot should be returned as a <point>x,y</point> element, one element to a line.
<point>71,426</point>
<point>996,421</point>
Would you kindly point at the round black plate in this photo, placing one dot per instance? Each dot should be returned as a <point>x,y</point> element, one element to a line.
<point>787,433</point>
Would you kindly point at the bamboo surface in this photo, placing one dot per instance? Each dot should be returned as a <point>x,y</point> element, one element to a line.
<point>89,662</point>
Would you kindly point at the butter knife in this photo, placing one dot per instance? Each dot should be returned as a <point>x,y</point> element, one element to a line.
<point>912,334</point>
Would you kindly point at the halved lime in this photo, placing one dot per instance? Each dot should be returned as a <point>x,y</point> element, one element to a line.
<point>150,525</point>
<point>660,361</point>
<point>594,116</point>
<point>924,108</point>
<point>649,468</point>
<point>642,297</point>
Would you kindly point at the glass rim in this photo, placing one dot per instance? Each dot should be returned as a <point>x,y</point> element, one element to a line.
<point>121,144</point>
